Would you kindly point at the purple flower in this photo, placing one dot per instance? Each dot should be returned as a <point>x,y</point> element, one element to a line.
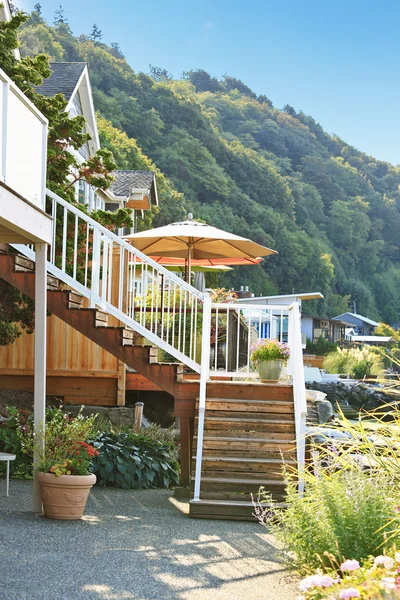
<point>350,565</point>
<point>315,581</point>
<point>349,593</point>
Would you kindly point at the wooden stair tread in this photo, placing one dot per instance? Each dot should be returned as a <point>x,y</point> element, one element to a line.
<point>249,402</point>
<point>274,461</point>
<point>249,420</point>
<point>237,481</point>
<point>244,439</point>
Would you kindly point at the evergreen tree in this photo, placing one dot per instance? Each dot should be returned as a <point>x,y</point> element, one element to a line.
<point>96,34</point>
<point>60,17</point>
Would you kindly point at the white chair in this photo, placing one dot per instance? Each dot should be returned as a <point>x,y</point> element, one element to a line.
<point>7,457</point>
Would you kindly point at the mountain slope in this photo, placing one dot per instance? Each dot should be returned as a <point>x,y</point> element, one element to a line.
<point>239,163</point>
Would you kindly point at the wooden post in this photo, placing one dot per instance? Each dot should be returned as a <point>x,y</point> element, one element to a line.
<point>121,383</point>
<point>138,415</point>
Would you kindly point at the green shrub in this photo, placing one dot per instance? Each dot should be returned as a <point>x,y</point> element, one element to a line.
<point>131,460</point>
<point>347,513</point>
<point>321,347</point>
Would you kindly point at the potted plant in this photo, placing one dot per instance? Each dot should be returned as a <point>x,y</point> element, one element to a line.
<point>269,356</point>
<point>64,467</point>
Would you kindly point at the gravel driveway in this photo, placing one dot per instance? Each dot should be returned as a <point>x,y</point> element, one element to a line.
<point>137,545</point>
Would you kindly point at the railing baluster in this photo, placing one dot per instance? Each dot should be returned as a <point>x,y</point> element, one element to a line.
<point>64,241</point>
<point>75,247</point>
<point>87,254</point>
<point>54,216</point>
<point>110,270</point>
<point>238,340</point>
<point>216,338</point>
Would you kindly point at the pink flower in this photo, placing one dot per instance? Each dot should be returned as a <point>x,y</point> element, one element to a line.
<point>350,565</point>
<point>315,581</point>
<point>384,561</point>
<point>388,583</point>
<point>349,593</point>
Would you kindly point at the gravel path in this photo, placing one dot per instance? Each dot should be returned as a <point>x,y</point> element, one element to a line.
<point>134,545</point>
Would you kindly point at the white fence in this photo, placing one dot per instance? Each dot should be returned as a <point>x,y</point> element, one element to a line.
<point>23,143</point>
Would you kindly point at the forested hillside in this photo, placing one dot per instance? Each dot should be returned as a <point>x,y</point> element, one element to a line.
<point>234,160</point>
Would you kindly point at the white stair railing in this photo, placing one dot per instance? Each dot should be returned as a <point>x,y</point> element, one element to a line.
<point>296,370</point>
<point>124,282</point>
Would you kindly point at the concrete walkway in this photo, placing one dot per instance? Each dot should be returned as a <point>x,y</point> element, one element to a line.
<point>137,545</point>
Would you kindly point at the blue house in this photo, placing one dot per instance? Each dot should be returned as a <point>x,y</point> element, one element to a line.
<point>361,325</point>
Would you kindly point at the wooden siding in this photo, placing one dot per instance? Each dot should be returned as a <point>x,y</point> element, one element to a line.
<point>69,355</point>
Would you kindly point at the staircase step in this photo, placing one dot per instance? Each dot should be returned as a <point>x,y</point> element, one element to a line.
<point>231,464</point>
<point>242,488</point>
<point>252,408</point>
<point>243,445</point>
<point>222,509</point>
<point>247,424</point>
<point>23,264</point>
<point>250,435</point>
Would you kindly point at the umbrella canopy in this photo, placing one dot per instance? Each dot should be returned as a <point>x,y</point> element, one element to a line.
<point>193,240</point>
<point>202,264</point>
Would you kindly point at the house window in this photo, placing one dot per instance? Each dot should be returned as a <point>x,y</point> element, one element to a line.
<point>82,199</point>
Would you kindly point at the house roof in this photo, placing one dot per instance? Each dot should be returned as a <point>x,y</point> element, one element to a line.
<point>303,296</point>
<point>127,181</point>
<point>359,317</point>
<point>63,80</point>
<point>382,339</point>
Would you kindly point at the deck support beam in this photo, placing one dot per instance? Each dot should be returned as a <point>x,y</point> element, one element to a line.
<point>39,409</point>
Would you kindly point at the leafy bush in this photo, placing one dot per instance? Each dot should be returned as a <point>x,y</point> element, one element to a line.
<point>345,513</point>
<point>131,460</point>
<point>357,362</point>
<point>321,347</point>
<point>12,433</point>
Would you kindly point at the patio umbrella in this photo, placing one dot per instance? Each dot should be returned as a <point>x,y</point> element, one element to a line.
<point>192,240</point>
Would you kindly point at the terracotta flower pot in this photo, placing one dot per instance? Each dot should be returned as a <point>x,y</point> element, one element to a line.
<point>269,370</point>
<point>64,497</point>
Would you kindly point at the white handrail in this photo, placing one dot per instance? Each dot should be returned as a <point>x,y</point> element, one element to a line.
<point>296,370</point>
<point>204,376</point>
<point>123,281</point>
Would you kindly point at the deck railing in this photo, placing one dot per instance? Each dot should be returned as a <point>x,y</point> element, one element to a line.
<point>23,143</point>
<point>235,328</point>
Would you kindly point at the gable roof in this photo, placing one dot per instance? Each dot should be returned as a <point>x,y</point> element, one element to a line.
<point>63,80</point>
<point>126,181</point>
<point>359,317</point>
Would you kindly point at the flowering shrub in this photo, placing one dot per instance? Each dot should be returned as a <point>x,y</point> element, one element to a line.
<point>223,295</point>
<point>269,350</point>
<point>66,449</point>
<point>379,577</point>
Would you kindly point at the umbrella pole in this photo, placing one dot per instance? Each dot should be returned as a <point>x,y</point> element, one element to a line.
<point>189,262</point>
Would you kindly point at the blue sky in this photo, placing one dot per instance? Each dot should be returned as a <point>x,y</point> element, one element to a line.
<point>337,61</point>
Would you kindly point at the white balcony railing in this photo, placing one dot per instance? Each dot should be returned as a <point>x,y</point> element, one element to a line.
<point>23,144</point>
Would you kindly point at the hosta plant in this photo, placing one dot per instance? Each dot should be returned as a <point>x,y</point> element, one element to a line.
<point>130,460</point>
